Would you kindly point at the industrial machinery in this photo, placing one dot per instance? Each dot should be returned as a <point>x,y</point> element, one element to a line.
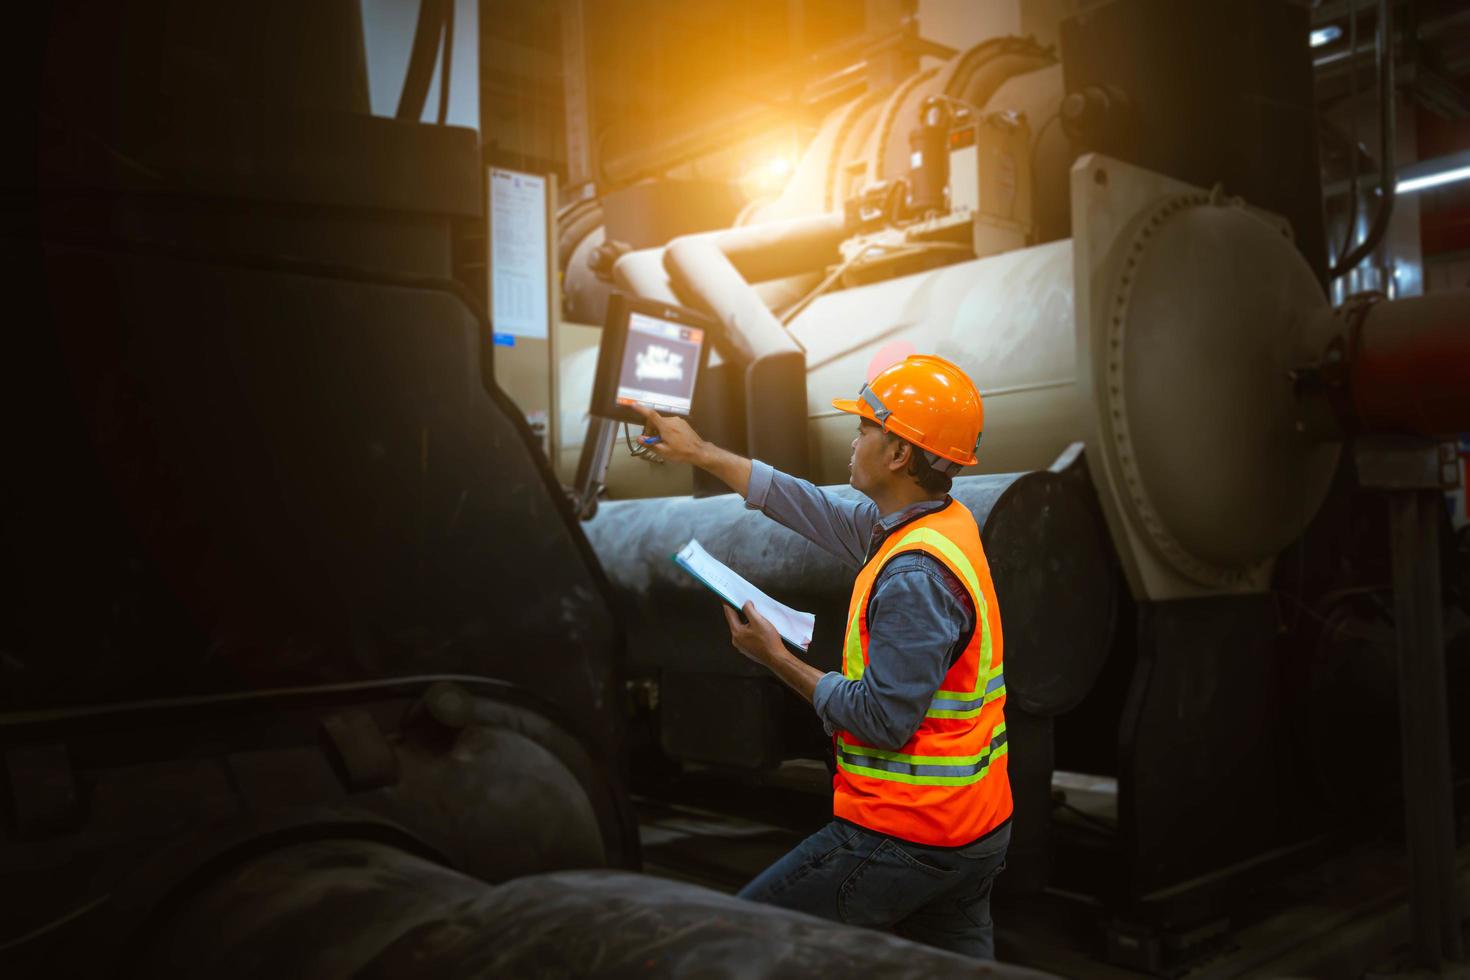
<point>1186,458</point>
<point>306,668</point>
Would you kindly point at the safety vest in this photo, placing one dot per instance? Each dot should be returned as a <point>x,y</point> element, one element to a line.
<point>948,784</point>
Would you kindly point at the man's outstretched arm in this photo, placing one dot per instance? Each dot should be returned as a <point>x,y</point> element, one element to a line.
<point>837,524</point>
<point>679,443</point>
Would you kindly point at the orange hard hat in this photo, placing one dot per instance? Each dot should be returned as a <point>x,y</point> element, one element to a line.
<point>929,402</point>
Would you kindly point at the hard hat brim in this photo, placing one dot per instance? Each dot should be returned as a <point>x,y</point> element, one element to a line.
<point>853,406</point>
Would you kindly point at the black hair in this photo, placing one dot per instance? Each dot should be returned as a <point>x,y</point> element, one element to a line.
<point>930,480</point>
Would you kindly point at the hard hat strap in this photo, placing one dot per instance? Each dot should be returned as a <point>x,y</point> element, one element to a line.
<point>880,411</point>
<point>946,466</point>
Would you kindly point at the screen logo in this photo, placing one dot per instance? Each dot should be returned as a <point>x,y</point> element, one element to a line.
<point>659,364</point>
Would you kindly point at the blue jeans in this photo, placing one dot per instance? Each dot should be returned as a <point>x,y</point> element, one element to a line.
<point>938,896</point>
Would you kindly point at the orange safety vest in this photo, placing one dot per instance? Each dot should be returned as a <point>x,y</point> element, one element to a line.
<point>948,784</point>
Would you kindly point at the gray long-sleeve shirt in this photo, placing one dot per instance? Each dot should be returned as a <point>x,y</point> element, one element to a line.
<point>919,615</point>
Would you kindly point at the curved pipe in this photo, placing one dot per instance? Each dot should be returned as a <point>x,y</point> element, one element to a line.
<point>777,249</point>
<point>715,270</point>
<point>775,366</point>
<point>642,274</point>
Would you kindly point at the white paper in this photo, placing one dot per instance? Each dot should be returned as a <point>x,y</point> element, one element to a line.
<point>518,273</point>
<point>796,627</point>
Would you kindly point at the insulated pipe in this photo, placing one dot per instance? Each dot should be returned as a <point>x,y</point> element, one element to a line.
<point>715,270</point>
<point>775,249</point>
<point>642,274</point>
<point>1410,370</point>
<point>1047,547</point>
<point>775,367</point>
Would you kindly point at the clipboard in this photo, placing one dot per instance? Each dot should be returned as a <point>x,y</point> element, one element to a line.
<point>795,627</point>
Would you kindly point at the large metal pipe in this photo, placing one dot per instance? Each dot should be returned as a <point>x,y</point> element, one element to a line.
<point>1046,544</point>
<point>775,249</point>
<point>1410,369</point>
<point>340,908</point>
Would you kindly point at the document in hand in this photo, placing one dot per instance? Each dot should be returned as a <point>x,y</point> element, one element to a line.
<point>795,627</point>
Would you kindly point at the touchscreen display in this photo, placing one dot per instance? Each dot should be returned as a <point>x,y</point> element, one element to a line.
<point>660,362</point>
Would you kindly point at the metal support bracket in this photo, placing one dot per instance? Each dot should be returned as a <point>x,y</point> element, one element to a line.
<point>1413,474</point>
<point>592,467</point>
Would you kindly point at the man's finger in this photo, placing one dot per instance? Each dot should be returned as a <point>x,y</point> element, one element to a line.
<point>649,415</point>
<point>732,617</point>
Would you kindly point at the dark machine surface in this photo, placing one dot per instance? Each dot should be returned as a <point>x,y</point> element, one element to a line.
<point>275,548</point>
<point>306,668</point>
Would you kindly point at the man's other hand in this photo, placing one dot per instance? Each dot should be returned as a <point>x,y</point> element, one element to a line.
<point>756,637</point>
<point>676,440</point>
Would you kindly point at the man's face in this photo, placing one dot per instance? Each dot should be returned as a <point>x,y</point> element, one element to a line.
<point>869,457</point>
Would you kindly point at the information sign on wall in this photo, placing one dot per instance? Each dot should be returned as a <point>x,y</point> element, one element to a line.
<point>519,284</point>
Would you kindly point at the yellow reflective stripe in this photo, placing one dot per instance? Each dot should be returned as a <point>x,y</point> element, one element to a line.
<point>903,777</point>
<point>968,704</point>
<point>984,687</point>
<point>924,760</point>
<point>852,649</point>
<point>950,550</point>
<point>853,660</point>
<point>922,770</point>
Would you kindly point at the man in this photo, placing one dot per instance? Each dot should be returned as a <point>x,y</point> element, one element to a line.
<point>921,799</point>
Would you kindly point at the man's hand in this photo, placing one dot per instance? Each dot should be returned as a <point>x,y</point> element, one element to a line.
<point>677,441</point>
<point>756,638</point>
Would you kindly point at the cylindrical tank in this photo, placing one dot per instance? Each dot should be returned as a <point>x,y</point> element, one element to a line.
<point>1166,334</point>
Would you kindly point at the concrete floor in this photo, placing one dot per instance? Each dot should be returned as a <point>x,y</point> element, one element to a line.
<point>1343,917</point>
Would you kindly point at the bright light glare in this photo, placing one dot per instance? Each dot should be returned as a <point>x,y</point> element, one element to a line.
<point>1433,180</point>
<point>778,167</point>
<point>1326,35</point>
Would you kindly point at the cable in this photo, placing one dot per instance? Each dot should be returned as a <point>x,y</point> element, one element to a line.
<point>1352,221</point>
<point>889,250</point>
<point>54,924</point>
<point>640,451</point>
<point>1387,182</point>
<point>426,37</point>
<point>445,61</point>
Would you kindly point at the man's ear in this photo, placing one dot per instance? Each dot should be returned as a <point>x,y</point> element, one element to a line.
<point>900,458</point>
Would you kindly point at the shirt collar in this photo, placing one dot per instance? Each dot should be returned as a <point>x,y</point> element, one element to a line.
<point>888,522</point>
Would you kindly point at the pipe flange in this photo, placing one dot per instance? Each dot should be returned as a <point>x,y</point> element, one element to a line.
<point>1146,515</point>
